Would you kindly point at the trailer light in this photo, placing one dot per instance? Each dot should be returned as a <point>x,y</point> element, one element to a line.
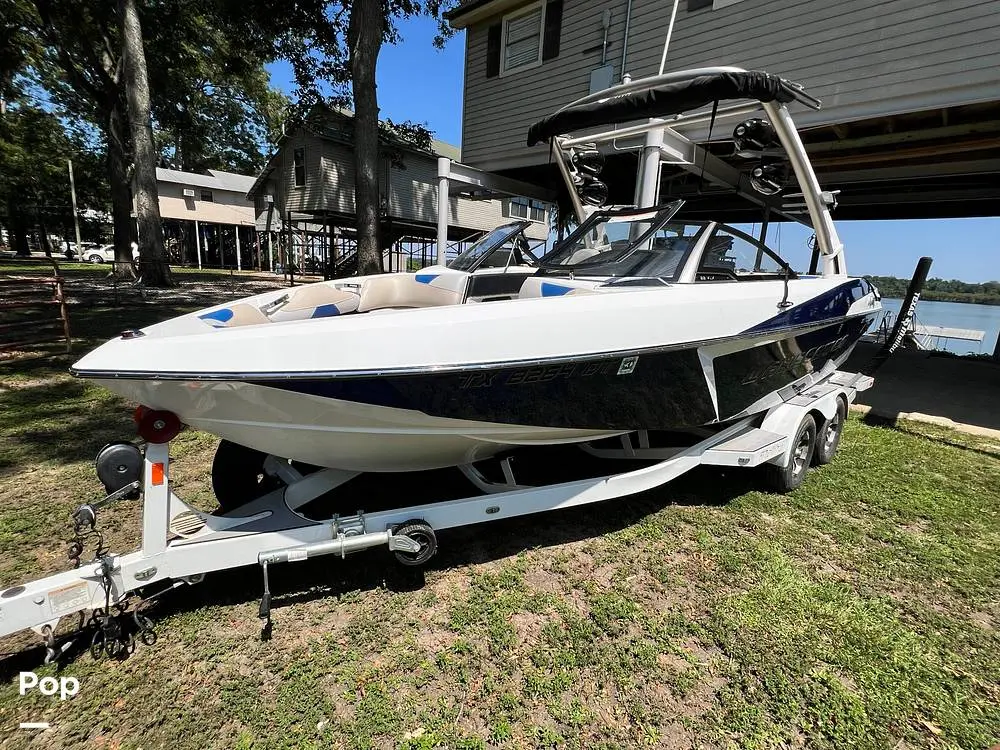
<point>156,474</point>
<point>158,426</point>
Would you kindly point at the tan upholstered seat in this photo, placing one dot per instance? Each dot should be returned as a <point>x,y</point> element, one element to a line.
<point>237,314</point>
<point>403,290</point>
<point>316,301</point>
<point>315,295</point>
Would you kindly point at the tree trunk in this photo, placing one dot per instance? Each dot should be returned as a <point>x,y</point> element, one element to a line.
<point>18,234</point>
<point>152,259</point>
<point>121,193</point>
<point>43,236</point>
<point>364,39</point>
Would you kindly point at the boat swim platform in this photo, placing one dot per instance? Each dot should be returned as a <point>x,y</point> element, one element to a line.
<point>958,392</point>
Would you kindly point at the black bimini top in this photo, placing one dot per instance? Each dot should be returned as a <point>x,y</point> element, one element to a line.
<point>664,99</point>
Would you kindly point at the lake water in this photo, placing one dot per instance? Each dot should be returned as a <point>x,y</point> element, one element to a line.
<point>957,315</point>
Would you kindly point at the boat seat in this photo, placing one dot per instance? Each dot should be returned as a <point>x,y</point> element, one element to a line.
<point>237,314</point>
<point>404,290</point>
<point>316,301</point>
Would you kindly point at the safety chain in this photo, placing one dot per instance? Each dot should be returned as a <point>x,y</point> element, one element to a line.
<point>113,636</point>
<point>84,528</point>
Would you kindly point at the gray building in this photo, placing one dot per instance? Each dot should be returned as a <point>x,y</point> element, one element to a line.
<point>910,124</point>
<point>304,197</point>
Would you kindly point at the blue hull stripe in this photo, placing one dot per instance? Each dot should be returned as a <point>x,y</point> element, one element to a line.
<point>827,306</point>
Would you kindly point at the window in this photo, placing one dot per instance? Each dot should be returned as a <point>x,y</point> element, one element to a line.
<point>731,255</point>
<point>628,244</point>
<point>524,208</point>
<point>206,195</point>
<point>299,163</point>
<point>789,240</point>
<point>522,39</point>
<point>713,4</point>
<point>525,38</point>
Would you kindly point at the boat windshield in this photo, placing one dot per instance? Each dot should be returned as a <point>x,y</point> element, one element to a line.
<point>506,243</point>
<point>626,243</point>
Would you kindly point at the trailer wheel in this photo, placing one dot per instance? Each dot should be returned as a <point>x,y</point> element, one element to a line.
<point>790,477</point>
<point>423,535</point>
<point>238,475</point>
<point>828,437</point>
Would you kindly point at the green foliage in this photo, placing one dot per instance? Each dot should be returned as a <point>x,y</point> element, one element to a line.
<point>941,290</point>
<point>34,148</point>
<point>213,106</point>
<point>311,36</point>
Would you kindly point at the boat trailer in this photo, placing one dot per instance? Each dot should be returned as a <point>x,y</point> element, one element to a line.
<point>181,544</point>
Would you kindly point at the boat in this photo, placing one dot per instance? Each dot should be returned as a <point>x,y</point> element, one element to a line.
<point>640,319</point>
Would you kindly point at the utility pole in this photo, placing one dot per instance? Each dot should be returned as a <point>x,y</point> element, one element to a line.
<point>76,218</point>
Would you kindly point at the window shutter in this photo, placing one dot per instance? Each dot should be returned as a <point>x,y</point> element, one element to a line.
<point>553,28</point>
<point>493,50</point>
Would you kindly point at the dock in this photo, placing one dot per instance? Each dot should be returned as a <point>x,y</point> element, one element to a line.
<point>924,333</point>
<point>926,337</point>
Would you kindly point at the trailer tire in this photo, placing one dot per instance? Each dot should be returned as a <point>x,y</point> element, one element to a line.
<point>828,436</point>
<point>238,475</point>
<point>423,535</point>
<point>790,477</point>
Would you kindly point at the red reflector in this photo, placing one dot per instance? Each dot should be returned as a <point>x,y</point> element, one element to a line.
<point>158,426</point>
<point>157,474</point>
<point>139,413</point>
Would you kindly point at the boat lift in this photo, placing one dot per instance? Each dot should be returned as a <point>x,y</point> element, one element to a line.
<point>180,544</point>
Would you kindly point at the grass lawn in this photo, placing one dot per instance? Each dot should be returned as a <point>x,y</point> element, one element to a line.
<point>862,611</point>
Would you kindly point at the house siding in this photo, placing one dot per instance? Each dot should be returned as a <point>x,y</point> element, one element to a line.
<point>413,196</point>
<point>226,207</point>
<point>861,58</point>
<point>410,191</point>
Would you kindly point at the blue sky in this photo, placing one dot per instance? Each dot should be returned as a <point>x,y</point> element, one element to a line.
<point>419,83</point>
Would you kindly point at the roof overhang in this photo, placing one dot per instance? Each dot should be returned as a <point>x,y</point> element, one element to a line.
<point>475,11</point>
<point>480,185</point>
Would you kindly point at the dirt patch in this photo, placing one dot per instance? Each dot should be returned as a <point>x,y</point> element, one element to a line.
<point>605,576</point>
<point>702,655</point>
<point>984,620</point>
<point>918,527</point>
<point>653,595</point>
<point>675,736</point>
<point>434,640</point>
<point>672,661</point>
<point>542,581</point>
<point>528,626</point>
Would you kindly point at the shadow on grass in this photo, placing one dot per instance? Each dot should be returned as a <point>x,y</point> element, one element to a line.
<point>376,568</point>
<point>46,415</point>
<point>65,421</point>
<point>90,326</point>
<point>893,423</point>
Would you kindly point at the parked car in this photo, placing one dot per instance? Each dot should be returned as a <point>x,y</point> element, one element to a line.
<point>104,254</point>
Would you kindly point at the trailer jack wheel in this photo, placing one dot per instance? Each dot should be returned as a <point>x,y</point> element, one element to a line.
<point>423,535</point>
